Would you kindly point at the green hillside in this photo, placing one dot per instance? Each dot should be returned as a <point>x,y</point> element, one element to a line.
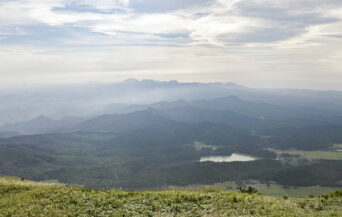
<point>26,198</point>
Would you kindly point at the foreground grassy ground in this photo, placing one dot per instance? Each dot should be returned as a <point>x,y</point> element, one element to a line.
<point>26,198</point>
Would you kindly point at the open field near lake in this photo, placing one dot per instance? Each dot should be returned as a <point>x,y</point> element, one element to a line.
<point>337,146</point>
<point>323,155</point>
<point>278,190</point>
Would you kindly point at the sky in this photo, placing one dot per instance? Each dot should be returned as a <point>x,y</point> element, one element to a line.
<point>256,43</point>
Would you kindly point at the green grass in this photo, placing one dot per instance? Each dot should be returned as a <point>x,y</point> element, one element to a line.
<point>322,155</point>
<point>27,198</point>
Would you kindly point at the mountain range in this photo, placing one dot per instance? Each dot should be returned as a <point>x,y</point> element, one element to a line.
<point>148,135</point>
<point>93,99</point>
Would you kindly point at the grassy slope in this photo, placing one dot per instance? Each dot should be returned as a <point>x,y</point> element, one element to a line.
<point>27,198</point>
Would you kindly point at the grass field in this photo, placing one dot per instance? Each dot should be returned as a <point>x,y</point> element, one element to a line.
<point>323,155</point>
<point>25,198</point>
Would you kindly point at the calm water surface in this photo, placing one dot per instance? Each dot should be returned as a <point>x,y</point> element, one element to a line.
<point>231,158</point>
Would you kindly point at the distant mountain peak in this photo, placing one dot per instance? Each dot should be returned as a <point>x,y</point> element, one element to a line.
<point>233,84</point>
<point>131,81</point>
<point>151,82</point>
<point>232,98</point>
<point>41,118</point>
<point>226,99</point>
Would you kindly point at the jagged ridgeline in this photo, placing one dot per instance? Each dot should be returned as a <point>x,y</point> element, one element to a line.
<point>19,197</point>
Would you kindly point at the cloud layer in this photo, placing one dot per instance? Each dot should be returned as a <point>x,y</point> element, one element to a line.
<point>254,42</point>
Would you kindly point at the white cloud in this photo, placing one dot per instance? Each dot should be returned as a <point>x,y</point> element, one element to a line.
<point>105,5</point>
<point>239,40</point>
<point>218,30</point>
<point>222,23</point>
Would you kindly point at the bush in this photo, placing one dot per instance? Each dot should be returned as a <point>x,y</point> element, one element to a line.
<point>249,190</point>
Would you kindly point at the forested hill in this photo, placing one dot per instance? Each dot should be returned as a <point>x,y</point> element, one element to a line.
<point>26,198</point>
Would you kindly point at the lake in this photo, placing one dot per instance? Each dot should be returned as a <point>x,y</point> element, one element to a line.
<point>233,157</point>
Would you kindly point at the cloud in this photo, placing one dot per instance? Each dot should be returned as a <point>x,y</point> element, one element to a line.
<point>219,23</point>
<point>99,5</point>
<point>214,39</point>
<point>165,6</point>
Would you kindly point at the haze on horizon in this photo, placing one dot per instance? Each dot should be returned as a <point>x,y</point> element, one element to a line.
<point>255,43</point>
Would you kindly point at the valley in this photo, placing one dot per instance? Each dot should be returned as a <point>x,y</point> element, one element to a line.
<point>181,143</point>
